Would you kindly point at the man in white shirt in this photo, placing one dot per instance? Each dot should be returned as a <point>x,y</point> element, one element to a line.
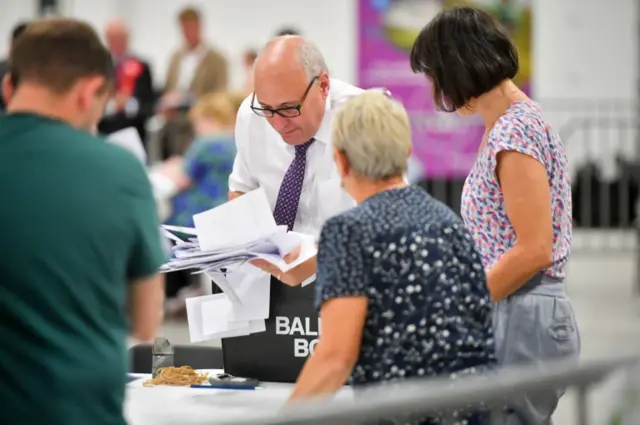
<point>289,119</point>
<point>283,146</point>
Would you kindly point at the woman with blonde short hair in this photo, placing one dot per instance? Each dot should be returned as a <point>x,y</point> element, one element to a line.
<point>400,287</point>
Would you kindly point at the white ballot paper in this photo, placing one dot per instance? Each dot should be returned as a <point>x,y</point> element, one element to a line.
<point>129,139</point>
<point>221,245</point>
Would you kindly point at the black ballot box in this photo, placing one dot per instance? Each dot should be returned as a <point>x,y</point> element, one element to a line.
<point>292,332</point>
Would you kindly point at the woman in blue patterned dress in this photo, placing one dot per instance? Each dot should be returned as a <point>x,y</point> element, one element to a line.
<point>400,287</point>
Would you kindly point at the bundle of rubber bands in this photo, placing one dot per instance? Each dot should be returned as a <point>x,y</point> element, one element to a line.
<point>177,376</point>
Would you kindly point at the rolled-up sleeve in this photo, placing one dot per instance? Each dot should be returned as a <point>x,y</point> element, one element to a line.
<point>341,263</point>
<point>241,178</point>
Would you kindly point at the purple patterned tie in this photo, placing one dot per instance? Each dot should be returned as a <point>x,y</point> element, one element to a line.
<point>291,187</point>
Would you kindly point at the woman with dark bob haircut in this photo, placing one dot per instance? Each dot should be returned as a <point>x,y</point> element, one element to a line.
<point>516,201</point>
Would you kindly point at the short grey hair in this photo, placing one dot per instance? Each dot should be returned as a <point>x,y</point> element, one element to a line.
<point>373,131</point>
<point>311,59</point>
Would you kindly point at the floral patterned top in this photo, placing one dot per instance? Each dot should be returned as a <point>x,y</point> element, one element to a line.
<point>522,129</point>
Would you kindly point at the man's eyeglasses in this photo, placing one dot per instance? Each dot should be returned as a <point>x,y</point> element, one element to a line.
<point>285,112</point>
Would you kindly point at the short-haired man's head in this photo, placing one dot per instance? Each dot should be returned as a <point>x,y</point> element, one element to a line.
<point>61,59</point>
<point>189,14</point>
<point>117,37</point>
<point>190,19</point>
<point>291,87</point>
<point>371,136</point>
<point>465,53</point>
<point>18,29</point>
<point>58,54</point>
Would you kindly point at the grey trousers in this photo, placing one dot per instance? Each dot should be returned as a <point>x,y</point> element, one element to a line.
<point>531,326</point>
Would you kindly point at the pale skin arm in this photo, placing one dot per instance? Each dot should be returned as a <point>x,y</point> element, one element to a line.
<point>145,300</point>
<point>527,198</point>
<point>329,368</point>
<point>293,277</point>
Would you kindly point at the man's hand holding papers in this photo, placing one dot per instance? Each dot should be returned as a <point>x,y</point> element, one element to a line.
<point>292,277</point>
<point>234,244</point>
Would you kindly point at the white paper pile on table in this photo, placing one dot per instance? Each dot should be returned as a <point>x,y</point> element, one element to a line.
<point>223,241</point>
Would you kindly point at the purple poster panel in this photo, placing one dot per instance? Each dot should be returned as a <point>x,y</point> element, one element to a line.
<point>445,144</point>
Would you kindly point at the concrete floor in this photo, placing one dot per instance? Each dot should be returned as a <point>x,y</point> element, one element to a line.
<point>608,309</point>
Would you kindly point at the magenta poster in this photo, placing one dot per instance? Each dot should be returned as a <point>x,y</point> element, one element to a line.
<point>445,144</point>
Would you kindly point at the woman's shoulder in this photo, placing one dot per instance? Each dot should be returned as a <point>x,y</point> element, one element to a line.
<point>524,129</point>
<point>518,118</point>
<point>346,221</point>
<point>352,225</point>
<point>523,120</point>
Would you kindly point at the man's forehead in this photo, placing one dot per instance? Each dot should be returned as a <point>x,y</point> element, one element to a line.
<point>279,91</point>
<point>277,102</point>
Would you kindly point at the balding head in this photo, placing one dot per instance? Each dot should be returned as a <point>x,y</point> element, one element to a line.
<point>291,72</point>
<point>117,36</point>
<point>291,53</point>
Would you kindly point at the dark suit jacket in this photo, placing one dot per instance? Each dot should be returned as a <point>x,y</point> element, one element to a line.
<point>4,68</point>
<point>143,92</point>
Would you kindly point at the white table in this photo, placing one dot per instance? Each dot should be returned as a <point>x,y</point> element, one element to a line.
<point>164,405</point>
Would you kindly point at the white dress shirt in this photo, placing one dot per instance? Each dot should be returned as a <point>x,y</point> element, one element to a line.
<point>263,159</point>
<point>189,63</point>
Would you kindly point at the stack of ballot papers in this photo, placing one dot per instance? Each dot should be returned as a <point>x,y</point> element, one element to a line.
<point>221,245</point>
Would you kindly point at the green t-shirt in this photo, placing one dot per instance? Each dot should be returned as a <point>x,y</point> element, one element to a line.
<point>78,222</point>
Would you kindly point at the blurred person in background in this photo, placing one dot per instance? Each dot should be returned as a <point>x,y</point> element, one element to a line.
<point>195,69</point>
<point>516,201</point>
<point>399,267</point>
<point>199,180</point>
<point>4,64</point>
<point>201,175</point>
<point>133,99</point>
<point>81,227</point>
<point>248,59</point>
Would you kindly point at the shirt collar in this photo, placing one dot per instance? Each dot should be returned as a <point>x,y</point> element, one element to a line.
<point>323,134</point>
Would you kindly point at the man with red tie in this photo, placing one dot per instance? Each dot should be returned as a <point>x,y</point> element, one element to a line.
<point>133,100</point>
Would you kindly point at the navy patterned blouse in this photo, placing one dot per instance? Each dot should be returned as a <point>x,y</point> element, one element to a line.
<point>429,311</point>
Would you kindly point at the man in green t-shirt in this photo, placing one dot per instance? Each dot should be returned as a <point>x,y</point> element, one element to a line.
<point>79,236</point>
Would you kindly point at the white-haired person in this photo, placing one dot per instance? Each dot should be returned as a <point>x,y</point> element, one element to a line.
<point>400,286</point>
